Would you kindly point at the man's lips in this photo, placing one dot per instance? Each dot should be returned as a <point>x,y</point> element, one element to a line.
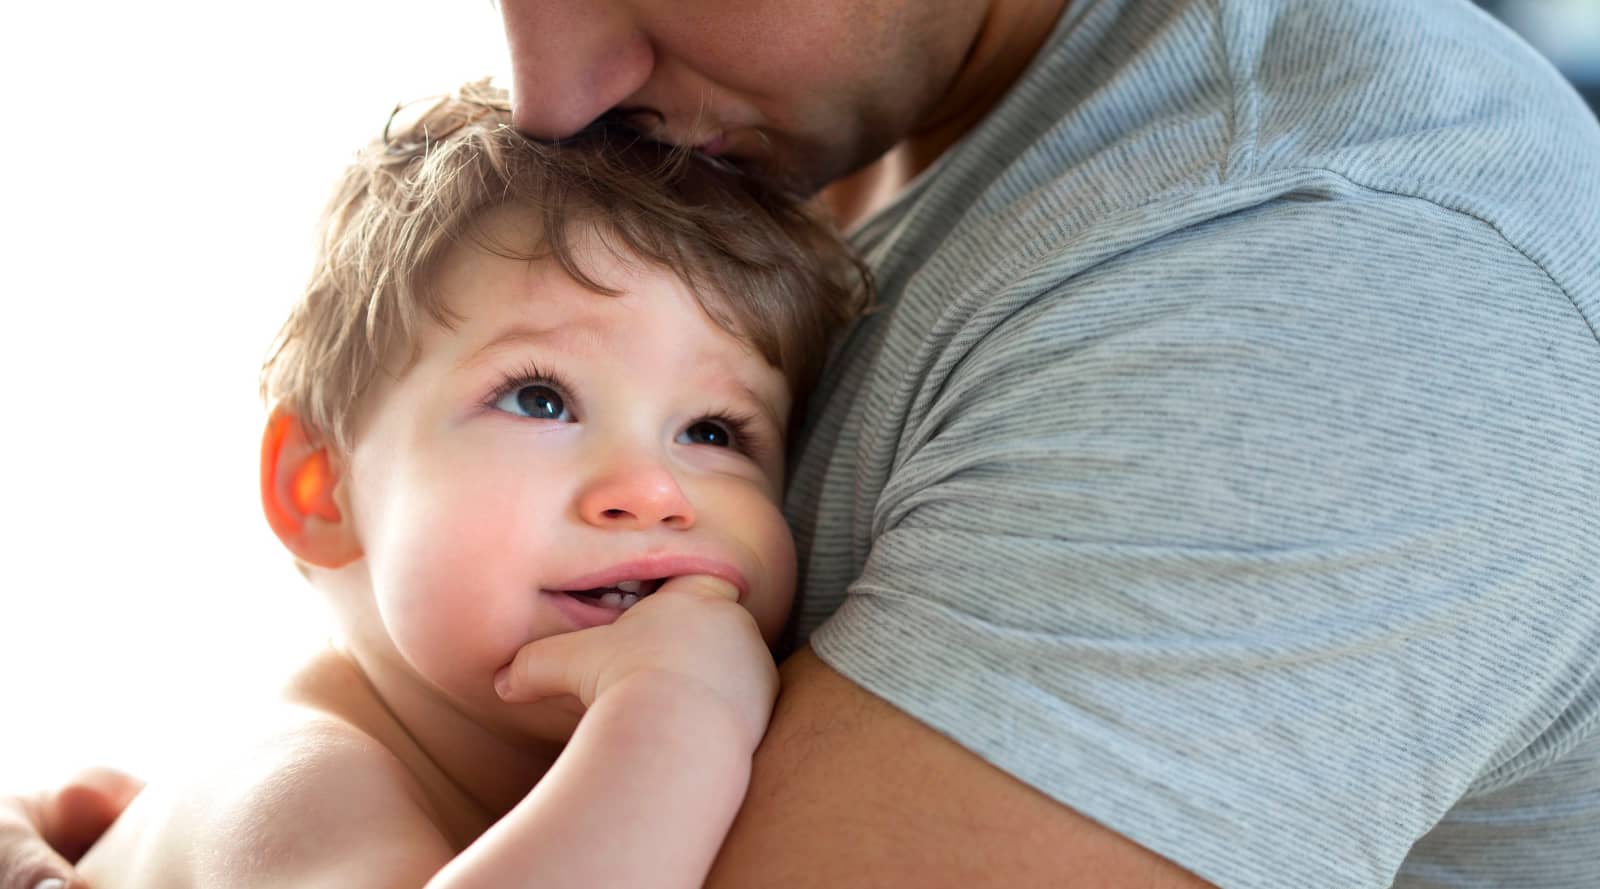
<point>661,567</point>
<point>715,146</point>
<point>698,136</point>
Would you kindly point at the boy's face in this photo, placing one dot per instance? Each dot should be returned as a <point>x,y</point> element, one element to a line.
<point>558,442</point>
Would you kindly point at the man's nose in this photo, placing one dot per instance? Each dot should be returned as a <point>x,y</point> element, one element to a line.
<point>571,61</point>
<point>638,494</point>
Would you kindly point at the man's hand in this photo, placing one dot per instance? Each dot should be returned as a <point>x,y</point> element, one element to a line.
<point>41,834</point>
<point>692,629</point>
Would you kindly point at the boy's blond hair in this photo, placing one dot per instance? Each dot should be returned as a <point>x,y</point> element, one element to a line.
<point>764,267</point>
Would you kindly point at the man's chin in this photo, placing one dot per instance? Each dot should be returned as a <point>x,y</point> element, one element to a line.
<point>795,169</point>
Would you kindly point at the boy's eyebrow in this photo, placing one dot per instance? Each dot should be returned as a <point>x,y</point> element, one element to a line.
<point>521,333</point>
<point>779,423</point>
<point>524,333</point>
<point>739,386</point>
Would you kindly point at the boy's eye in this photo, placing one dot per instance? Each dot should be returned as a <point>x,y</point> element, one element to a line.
<point>535,401</point>
<point>708,432</point>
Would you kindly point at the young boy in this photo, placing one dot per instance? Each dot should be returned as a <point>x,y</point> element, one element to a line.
<point>528,438</point>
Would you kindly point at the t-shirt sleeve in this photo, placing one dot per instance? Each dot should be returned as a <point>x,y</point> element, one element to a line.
<point>1264,544</point>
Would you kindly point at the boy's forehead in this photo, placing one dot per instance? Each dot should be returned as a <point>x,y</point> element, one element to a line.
<point>502,304</point>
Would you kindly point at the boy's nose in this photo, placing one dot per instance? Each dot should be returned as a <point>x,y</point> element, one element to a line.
<point>571,61</point>
<point>636,496</point>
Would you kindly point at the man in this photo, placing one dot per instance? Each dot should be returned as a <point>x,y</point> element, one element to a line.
<point>1212,499</point>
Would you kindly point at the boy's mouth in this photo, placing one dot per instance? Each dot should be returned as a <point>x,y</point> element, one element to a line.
<point>622,596</point>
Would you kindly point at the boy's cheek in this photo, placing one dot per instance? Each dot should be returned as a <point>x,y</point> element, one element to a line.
<point>780,563</point>
<point>453,582</point>
<point>455,627</point>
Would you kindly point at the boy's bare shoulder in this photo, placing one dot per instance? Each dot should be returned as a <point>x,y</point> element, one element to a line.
<point>301,798</point>
<point>320,803</point>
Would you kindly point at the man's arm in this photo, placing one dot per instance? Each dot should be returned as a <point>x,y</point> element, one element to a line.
<point>849,791</point>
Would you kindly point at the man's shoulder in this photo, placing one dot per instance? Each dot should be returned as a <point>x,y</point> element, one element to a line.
<point>1103,146</point>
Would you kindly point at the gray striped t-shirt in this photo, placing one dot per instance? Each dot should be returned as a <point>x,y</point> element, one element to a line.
<point>1225,460</point>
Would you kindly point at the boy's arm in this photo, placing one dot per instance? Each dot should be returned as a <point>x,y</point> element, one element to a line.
<point>678,690</point>
<point>641,796</point>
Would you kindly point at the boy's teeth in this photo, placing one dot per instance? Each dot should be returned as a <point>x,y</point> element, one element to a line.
<point>631,586</point>
<point>623,601</point>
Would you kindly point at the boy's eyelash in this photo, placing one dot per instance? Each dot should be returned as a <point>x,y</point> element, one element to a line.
<point>746,435</point>
<point>745,427</point>
<point>529,374</point>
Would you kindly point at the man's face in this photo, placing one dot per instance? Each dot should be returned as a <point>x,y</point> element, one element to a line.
<point>555,452</point>
<point>808,91</point>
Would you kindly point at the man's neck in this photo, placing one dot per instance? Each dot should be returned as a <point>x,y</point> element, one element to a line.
<point>1011,35</point>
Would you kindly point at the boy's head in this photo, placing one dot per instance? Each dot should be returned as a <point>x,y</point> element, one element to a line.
<point>760,263</point>
<point>529,381</point>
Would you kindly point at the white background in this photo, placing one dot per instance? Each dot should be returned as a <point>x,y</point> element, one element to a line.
<point>163,165</point>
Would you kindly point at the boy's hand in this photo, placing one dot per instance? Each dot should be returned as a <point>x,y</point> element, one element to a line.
<point>691,629</point>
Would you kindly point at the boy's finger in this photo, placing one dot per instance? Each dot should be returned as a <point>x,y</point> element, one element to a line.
<point>547,667</point>
<point>701,585</point>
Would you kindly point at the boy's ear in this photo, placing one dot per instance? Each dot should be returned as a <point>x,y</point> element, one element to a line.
<point>299,482</point>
